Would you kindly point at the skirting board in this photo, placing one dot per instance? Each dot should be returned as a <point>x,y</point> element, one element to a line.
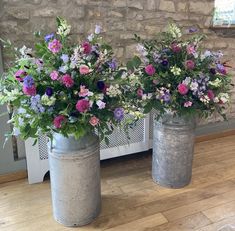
<point>13,176</point>
<point>215,130</point>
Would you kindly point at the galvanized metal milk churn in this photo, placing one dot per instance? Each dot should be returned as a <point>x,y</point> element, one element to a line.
<point>75,179</point>
<point>173,147</point>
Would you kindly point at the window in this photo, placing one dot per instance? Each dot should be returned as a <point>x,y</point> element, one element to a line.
<point>224,13</point>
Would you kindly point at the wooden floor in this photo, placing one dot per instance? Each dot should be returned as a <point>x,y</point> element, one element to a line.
<point>132,202</point>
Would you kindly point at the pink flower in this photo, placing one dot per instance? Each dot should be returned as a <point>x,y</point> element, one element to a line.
<point>84,69</point>
<point>140,92</point>
<point>94,121</point>
<point>83,105</point>
<point>67,80</point>
<point>210,94</point>
<point>83,91</point>
<point>150,69</point>
<point>20,74</point>
<point>188,104</point>
<point>175,47</point>
<point>191,49</point>
<point>54,75</point>
<point>155,81</point>
<point>190,64</point>
<point>29,90</point>
<point>182,89</point>
<point>54,46</point>
<point>59,120</point>
<point>86,48</point>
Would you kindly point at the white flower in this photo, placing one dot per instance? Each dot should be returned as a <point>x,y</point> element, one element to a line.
<point>195,54</point>
<point>100,104</point>
<point>175,70</point>
<point>206,54</point>
<point>141,49</point>
<point>134,80</point>
<point>194,86</point>
<point>25,51</point>
<point>144,96</point>
<point>90,37</point>
<point>215,83</point>
<point>124,75</point>
<point>48,101</point>
<point>90,93</point>
<point>64,28</point>
<point>205,99</point>
<point>216,100</point>
<point>187,81</point>
<point>149,96</point>
<point>113,91</point>
<point>12,95</point>
<point>223,97</point>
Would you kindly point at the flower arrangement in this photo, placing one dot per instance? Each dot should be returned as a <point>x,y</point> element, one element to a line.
<point>173,73</point>
<point>64,88</point>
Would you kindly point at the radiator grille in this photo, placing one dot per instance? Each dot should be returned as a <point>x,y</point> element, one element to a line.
<point>119,137</point>
<point>42,145</point>
<point>116,139</point>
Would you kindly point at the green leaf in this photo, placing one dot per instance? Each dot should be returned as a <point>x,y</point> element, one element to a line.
<point>133,63</point>
<point>106,140</point>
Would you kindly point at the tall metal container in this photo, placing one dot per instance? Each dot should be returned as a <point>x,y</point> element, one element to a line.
<point>173,147</point>
<point>75,179</point>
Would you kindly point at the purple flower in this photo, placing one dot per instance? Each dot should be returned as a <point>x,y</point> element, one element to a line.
<point>100,85</point>
<point>63,69</point>
<point>36,104</point>
<point>212,71</point>
<point>165,62</point>
<point>221,69</point>
<point>156,57</point>
<point>98,29</point>
<point>166,97</point>
<point>54,46</point>
<point>119,113</point>
<point>48,37</point>
<point>113,64</point>
<point>28,81</point>
<point>65,58</point>
<point>49,91</point>
<point>192,30</point>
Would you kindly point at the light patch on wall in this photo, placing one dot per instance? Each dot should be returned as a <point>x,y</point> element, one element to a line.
<point>224,13</point>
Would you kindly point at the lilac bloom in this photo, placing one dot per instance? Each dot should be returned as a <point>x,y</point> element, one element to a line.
<point>48,37</point>
<point>113,64</point>
<point>36,104</point>
<point>166,97</point>
<point>192,30</point>
<point>28,81</point>
<point>98,29</point>
<point>63,69</point>
<point>119,114</point>
<point>65,58</point>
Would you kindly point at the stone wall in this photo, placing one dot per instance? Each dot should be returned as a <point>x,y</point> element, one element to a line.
<point>120,19</point>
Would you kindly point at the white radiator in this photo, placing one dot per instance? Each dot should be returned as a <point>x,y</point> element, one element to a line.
<point>37,156</point>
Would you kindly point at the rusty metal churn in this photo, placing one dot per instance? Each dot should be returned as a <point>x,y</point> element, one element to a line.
<point>173,148</point>
<point>75,179</point>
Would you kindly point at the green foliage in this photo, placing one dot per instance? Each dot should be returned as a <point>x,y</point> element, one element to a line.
<point>38,112</point>
<point>174,60</point>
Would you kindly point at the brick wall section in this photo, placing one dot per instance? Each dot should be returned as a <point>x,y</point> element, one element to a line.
<point>120,19</point>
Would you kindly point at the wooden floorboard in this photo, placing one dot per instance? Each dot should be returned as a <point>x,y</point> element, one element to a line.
<point>131,201</point>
